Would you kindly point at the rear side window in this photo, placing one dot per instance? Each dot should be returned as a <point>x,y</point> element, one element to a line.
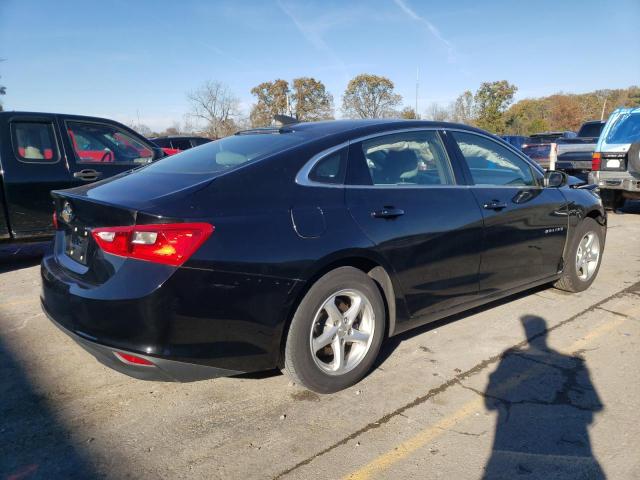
<point>227,153</point>
<point>106,144</point>
<point>625,130</point>
<point>407,158</point>
<point>491,163</point>
<point>181,143</point>
<point>34,142</point>
<point>331,169</point>
<point>591,130</point>
<point>162,142</point>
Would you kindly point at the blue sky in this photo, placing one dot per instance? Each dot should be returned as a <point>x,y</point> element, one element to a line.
<point>123,59</point>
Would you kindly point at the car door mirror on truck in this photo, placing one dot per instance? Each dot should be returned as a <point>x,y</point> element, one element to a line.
<point>554,179</point>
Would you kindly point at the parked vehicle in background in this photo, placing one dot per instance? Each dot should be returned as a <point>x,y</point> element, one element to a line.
<point>176,144</point>
<point>615,167</point>
<point>40,152</point>
<point>515,140</point>
<point>538,146</point>
<point>304,246</point>
<point>573,155</point>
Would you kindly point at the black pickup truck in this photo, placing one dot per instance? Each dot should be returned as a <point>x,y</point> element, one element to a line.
<point>40,152</point>
<point>573,155</point>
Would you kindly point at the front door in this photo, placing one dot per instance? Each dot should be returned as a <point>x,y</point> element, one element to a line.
<point>403,193</point>
<point>525,223</point>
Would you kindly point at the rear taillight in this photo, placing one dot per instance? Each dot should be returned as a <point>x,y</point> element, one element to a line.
<point>169,244</point>
<point>55,220</point>
<point>596,161</point>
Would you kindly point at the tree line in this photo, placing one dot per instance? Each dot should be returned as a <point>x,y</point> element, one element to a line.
<point>215,109</point>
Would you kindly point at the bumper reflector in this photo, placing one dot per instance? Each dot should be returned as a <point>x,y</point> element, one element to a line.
<point>132,359</point>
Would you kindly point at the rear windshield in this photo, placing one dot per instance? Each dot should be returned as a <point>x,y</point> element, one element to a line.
<point>226,153</point>
<point>591,130</point>
<point>625,130</point>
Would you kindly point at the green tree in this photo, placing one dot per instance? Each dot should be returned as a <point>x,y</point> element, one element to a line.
<point>370,96</point>
<point>310,100</point>
<point>272,99</point>
<point>409,113</point>
<point>490,102</point>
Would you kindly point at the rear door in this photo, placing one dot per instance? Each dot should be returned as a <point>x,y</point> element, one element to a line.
<point>102,149</point>
<point>33,164</point>
<point>525,223</point>
<point>403,192</point>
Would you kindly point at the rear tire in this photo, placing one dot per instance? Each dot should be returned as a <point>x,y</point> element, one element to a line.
<point>584,257</point>
<point>336,332</point>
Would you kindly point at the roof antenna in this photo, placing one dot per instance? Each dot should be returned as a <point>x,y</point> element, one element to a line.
<point>285,119</point>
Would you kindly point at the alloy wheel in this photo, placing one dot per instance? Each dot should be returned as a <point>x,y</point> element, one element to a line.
<point>342,332</point>
<point>587,256</point>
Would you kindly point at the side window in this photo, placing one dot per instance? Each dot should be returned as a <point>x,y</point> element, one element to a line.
<point>331,169</point>
<point>491,163</point>
<point>409,158</point>
<point>102,143</point>
<point>34,142</point>
<point>181,143</point>
<point>162,142</point>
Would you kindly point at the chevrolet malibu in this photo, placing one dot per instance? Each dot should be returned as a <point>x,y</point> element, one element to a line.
<point>304,247</point>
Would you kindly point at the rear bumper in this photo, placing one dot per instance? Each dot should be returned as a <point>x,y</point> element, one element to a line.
<point>190,323</point>
<point>615,181</point>
<point>162,369</point>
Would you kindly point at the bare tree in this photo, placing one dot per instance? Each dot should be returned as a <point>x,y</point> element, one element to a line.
<point>437,113</point>
<point>215,105</point>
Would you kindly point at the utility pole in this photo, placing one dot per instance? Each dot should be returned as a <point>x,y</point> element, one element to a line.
<point>604,105</point>
<point>417,84</point>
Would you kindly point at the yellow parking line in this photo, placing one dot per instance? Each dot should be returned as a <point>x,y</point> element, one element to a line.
<point>425,436</point>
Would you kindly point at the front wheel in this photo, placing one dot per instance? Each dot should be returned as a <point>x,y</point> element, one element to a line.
<point>583,257</point>
<point>336,332</point>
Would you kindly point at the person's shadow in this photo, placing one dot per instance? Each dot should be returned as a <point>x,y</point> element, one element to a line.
<point>545,402</point>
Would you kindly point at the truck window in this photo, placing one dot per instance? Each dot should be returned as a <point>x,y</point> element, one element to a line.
<point>626,129</point>
<point>591,130</point>
<point>34,142</point>
<point>102,143</point>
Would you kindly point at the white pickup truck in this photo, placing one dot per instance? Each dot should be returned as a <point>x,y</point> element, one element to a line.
<point>573,155</point>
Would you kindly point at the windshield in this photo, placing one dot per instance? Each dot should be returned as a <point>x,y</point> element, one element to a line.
<point>626,129</point>
<point>227,153</point>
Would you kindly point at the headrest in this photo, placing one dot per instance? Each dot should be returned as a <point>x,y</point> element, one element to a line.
<point>230,159</point>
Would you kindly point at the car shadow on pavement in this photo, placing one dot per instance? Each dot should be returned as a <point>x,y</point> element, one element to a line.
<point>34,443</point>
<point>545,402</point>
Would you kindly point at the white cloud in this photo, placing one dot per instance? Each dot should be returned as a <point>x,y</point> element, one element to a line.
<point>430,27</point>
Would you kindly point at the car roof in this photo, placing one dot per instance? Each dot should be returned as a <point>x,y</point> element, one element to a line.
<point>329,128</point>
<point>17,113</point>
<point>178,137</point>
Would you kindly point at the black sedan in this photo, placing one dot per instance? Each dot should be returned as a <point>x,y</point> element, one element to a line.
<point>303,247</point>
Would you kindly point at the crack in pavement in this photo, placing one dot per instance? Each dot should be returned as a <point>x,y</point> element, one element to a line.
<point>456,380</point>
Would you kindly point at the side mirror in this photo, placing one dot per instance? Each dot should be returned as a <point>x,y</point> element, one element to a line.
<point>555,179</point>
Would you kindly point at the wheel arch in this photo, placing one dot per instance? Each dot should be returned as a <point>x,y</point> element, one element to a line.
<point>370,264</point>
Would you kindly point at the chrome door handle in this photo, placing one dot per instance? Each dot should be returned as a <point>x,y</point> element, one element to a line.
<point>495,205</point>
<point>87,175</point>
<point>387,212</point>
